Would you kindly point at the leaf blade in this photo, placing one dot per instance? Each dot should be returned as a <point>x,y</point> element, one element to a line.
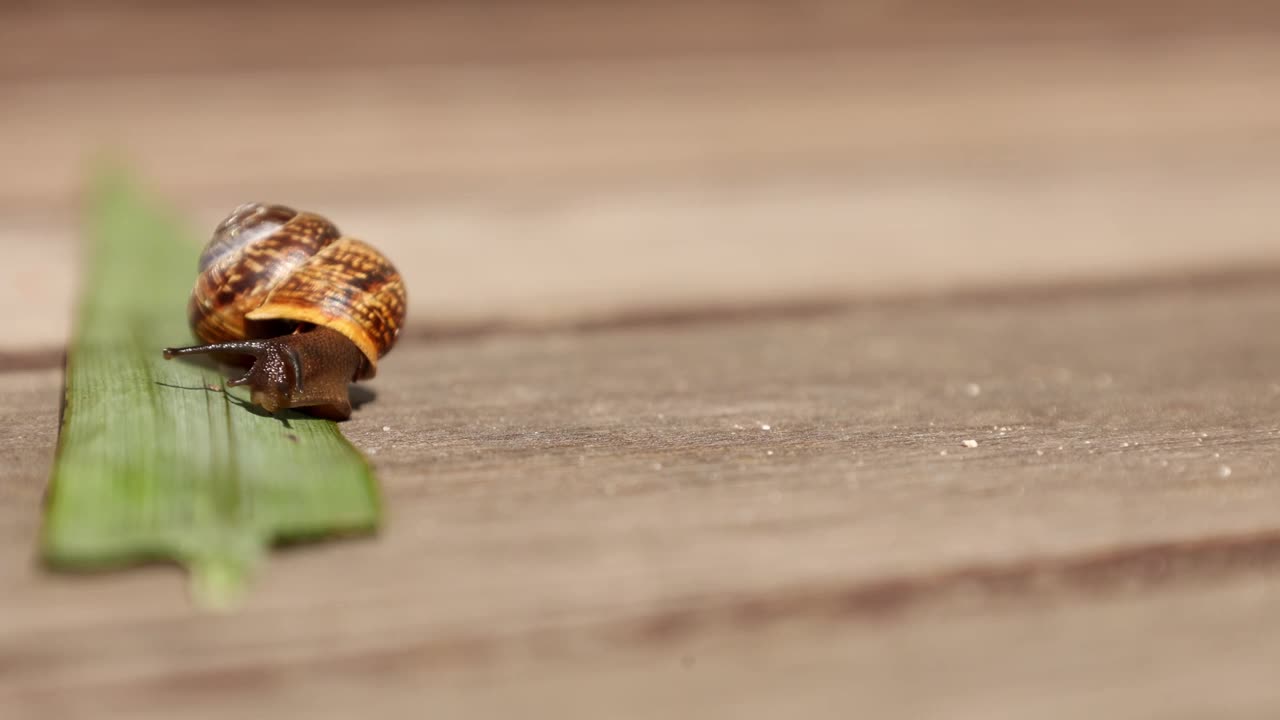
<point>156,459</point>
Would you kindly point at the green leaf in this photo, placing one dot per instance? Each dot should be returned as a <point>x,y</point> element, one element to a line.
<point>156,459</point>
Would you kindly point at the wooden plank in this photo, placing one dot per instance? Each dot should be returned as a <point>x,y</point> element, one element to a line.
<point>568,508</point>
<point>458,130</point>
<point>1134,656</point>
<point>586,257</point>
<point>649,184</point>
<point>572,163</point>
<point>60,39</point>
<point>29,407</point>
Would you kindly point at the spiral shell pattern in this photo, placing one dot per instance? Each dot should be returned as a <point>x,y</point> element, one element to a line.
<point>269,269</point>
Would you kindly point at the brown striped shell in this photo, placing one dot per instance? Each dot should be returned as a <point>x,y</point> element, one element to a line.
<point>269,270</point>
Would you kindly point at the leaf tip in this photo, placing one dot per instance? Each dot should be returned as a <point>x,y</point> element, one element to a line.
<point>220,584</point>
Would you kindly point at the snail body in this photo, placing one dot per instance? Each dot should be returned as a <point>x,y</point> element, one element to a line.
<point>314,309</point>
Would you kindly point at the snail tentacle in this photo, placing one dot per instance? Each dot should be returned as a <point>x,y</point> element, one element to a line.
<point>275,380</point>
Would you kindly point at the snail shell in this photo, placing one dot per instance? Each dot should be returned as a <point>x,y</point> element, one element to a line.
<point>269,270</point>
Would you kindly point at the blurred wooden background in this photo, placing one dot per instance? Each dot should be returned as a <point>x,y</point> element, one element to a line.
<point>534,162</point>
<point>729,474</point>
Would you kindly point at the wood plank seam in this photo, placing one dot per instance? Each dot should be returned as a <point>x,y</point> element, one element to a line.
<point>639,317</point>
<point>1044,580</point>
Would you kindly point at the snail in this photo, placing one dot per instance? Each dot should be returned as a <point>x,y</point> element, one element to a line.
<point>313,310</point>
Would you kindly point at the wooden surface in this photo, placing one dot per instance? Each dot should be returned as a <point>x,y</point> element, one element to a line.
<point>580,161</point>
<point>583,514</point>
<point>879,359</point>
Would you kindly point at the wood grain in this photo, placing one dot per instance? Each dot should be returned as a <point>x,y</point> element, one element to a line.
<point>656,158</point>
<point>583,507</point>
<point>898,359</point>
<point>61,38</point>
